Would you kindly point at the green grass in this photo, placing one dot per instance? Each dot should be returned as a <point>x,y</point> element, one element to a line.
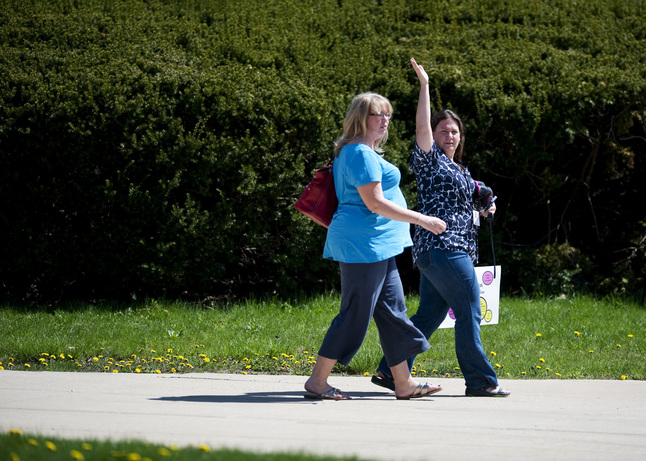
<point>15,446</point>
<point>581,337</point>
<point>573,338</point>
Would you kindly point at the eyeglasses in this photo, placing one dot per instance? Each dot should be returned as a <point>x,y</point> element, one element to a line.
<point>386,116</point>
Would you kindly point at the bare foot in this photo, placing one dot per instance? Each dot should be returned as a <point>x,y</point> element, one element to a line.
<point>414,389</point>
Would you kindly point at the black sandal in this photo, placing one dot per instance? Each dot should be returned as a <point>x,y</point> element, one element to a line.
<point>383,381</point>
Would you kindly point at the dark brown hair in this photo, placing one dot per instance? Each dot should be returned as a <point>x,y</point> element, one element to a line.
<point>449,114</point>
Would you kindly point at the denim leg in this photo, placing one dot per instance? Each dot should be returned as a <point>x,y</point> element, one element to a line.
<point>453,276</point>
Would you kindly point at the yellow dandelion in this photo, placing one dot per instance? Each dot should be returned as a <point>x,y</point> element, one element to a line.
<point>33,442</point>
<point>541,360</point>
<point>624,377</point>
<point>158,371</point>
<point>366,373</point>
<point>95,359</point>
<point>591,351</point>
<point>523,372</point>
<point>14,457</point>
<point>538,335</point>
<point>163,451</point>
<point>577,333</point>
<point>493,353</point>
<point>498,365</point>
<point>115,371</point>
<point>86,446</point>
<point>207,360</point>
<point>77,455</point>
<point>137,370</point>
<point>134,457</point>
<point>15,432</point>
<point>539,367</point>
<point>50,445</point>
<point>557,374</point>
<point>204,448</point>
<point>27,365</point>
<point>630,336</point>
<point>618,345</point>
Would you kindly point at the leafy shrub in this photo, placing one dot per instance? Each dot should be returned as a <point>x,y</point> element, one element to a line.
<point>155,148</point>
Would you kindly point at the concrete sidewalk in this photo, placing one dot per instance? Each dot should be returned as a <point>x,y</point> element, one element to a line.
<point>543,419</point>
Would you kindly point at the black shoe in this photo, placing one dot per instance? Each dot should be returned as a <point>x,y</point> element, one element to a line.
<point>483,392</point>
<point>384,381</point>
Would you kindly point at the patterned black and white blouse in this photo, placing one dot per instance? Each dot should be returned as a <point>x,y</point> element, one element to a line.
<point>444,190</point>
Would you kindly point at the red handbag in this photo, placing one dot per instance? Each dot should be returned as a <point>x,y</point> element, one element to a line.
<point>318,201</point>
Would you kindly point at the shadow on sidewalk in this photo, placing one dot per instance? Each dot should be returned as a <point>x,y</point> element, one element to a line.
<point>276,397</point>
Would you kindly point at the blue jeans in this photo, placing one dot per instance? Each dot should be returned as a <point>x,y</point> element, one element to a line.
<point>448,280</point>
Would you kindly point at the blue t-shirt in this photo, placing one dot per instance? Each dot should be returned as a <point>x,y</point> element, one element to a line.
<point>356,234</point>
<point>444,190</point>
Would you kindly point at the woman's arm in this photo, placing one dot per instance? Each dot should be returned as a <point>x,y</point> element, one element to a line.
<point>423,131</point>
<point>373,196</point>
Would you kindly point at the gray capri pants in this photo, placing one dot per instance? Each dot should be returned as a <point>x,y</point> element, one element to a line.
<point>372,290</point>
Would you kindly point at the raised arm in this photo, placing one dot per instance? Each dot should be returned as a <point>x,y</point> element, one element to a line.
<point>423,130</point>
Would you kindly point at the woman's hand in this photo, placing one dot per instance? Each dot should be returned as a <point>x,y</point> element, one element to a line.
<point>432,224</point>
<point>421,73</point>
<point>492,210</point>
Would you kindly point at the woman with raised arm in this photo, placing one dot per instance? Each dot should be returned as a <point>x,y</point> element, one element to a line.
<point>446,190</point>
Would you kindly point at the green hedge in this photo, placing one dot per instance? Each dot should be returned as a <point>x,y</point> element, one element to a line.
<point>154,148</point>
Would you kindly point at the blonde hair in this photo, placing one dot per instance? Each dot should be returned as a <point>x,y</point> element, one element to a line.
<point>354,124</point>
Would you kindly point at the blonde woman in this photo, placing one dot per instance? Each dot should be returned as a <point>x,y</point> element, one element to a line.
<point>370,228</point>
